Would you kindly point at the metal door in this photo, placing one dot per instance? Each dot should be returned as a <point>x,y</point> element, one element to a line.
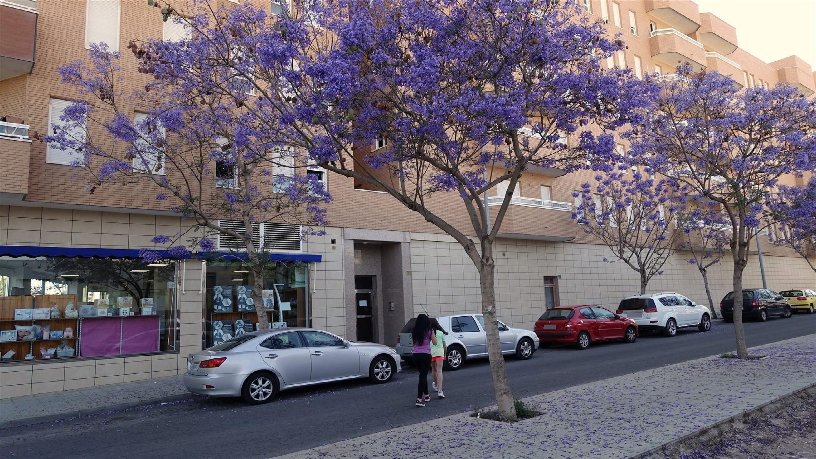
<point>364,307</point>
<point>285,353</point>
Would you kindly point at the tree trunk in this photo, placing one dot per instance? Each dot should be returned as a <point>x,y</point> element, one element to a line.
<point>704,273</point>
<point>643,282</point>
<point>257,288</point>
<point>740,261</point>
<point>501,385</point>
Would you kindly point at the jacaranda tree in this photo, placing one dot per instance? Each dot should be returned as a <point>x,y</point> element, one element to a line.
<point>705,234</point>
<point>467,95</point>
<point>196,137</point>
<point>634,216</point>
<point>729,146</point>
<point>795,211</point>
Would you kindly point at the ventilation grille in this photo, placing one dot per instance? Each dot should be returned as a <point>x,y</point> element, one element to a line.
<point>270,236</point>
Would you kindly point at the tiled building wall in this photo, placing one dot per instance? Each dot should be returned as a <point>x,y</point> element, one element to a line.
<point>327,282</point>
<point>446,282</point>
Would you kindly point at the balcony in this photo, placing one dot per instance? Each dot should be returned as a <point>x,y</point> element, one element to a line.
<point>683,15</point>
<point>670,48</point>
<point>725,66</point>
<point>15,155</point>
<point>536,219</point>
<point>716,34</point>
<point>18,35</point>
<point>794,71</point>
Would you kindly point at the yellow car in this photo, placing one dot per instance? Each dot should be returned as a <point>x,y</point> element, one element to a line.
<point>801,300</point>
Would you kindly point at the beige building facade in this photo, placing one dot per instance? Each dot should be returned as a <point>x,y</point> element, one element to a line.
<point>376,265</point>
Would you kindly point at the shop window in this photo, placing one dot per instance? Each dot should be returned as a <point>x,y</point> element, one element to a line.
<point>59,308</point>
<point>230,299</point>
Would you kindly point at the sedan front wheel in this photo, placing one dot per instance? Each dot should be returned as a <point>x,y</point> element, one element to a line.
<point>631,335</point>
<point>705,323</point>
<point>525,349</point>
<point>381,370</point>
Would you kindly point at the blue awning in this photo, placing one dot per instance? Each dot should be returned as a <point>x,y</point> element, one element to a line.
<point>95,252</point>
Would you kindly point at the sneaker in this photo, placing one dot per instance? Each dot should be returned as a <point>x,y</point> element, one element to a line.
<point>441,394</point>
<point>419,402</point>
<point>427,398</point>
<point>433,383</point>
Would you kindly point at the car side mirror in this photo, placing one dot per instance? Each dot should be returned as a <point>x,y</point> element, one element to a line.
<point>503,328</point>
<point>346,343</point>
<point>780,297</point>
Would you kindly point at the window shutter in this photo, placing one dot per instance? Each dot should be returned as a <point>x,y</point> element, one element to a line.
<point>174,29</point>
<point>281,236</point>
<point>228,242</point>
<point>146,157</point>
<point>56,154</point>
<point>102,23</point>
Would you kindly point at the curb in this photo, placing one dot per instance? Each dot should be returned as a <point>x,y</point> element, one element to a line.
<point>68,416</point>
<point>674,448</point>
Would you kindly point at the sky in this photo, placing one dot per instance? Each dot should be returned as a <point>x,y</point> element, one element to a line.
<point>770,29</point>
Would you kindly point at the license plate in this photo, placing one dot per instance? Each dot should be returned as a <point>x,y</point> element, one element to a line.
<point>549,327</point>
<point>633,314</point>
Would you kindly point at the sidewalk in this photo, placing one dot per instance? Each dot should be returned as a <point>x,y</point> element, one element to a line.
<point>616,418</point>
<point>18,410</point>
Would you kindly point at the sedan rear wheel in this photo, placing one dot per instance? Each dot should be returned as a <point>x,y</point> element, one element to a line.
<point>671,328</point>
<point>763,316</point>
<point>525,349</point>
<point>631,335</point>
<point>788,313</point>
<point>381,370</point>
<point>259,388</point>
<point>583,340</point>
<point>705,323</point>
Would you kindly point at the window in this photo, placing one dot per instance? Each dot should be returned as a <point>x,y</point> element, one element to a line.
<point>605,11</point>
<point>633,23</point>
<point>638,67</point>
<point>102,23</point>
<point>283,170</point>
<point>280,7</point>
<point>616,17</point>
<point>621,59</point>
<point>317,173</point>
<point>745,78</point>
<point>556,314</point>
<point>380,142</point>
<point>751,80</point>
<point>652,26</point>
<point>601,313</point>
<point>464,324</point>
<point>501,189</point>
<point>321,339</point>
<point>586,313</point>
<point>610,62</point>
<point>658,70</point>
<point>75,132</point>
<point>288,340</point>
<point>175,29</point>
<point>226,175</point>
<point>588,5</point>
<point>546,193</point>
<point>551,292</point>
<point>146,156</point>
<point>670,300</point>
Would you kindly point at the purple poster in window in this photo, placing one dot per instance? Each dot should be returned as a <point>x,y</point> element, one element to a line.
<point>100,337</point>
<point>140,334</point>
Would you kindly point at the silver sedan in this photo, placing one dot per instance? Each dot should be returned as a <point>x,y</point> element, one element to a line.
<point>257,365</point>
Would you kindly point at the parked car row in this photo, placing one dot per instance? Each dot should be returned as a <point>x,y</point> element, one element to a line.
<point>257,365</point>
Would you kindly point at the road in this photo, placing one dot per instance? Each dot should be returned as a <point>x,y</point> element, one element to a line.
<point>305,418</point>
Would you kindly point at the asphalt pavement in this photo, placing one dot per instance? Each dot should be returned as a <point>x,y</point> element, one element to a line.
<point>306,418</point>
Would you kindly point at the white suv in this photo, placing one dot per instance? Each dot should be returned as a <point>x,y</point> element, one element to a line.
<point>665,312</point>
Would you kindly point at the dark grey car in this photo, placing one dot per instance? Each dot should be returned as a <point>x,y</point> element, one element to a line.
<point>757,303</point>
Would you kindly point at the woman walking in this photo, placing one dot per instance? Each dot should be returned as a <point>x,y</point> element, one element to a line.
<point>438,352</point>
<point>422,337</point>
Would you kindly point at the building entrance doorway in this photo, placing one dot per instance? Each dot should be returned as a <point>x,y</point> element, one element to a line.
<point>364,304</point>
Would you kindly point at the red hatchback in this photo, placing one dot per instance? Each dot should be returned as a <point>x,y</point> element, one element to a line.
<point>582,325</point>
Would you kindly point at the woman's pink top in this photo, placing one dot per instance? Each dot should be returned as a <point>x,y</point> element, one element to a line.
<point>425,346</point>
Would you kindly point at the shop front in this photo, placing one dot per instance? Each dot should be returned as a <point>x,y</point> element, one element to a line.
<point>85,304</point>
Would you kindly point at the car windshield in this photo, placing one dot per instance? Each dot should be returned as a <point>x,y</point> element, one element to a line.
<point>746,295</point>
<point>635,304</point>
<point>790,293</point>
<point>556,314</point>
<point>231,343</point>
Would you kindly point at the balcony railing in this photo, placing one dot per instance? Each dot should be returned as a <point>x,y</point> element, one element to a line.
<point>722,58</point>
<point>531,202</point>
<point>14,130</point>
<point>678,34</point>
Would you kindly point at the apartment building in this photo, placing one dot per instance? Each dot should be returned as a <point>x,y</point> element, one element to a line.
<point>71,277</point>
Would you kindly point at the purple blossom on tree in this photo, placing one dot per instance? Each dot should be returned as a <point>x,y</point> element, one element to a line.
<point>795,211</point>
<point>730,146</point>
